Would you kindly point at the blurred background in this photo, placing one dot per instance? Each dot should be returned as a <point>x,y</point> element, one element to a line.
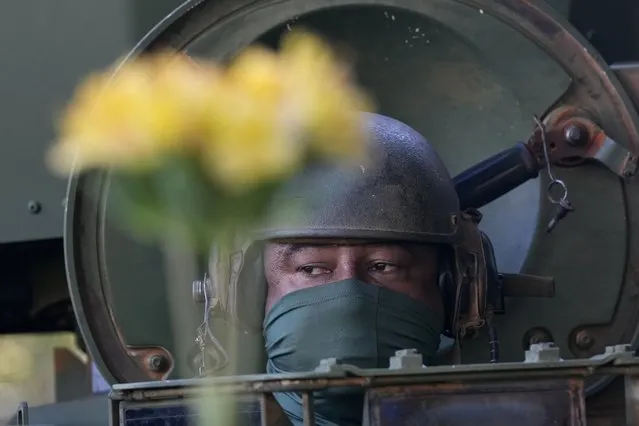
<point>46,48</point>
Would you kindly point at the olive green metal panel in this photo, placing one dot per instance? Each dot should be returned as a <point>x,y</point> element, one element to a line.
<point>46,48</point>
<point>146,14</point>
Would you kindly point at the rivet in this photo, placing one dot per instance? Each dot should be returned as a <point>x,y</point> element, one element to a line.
<point>34,207</point>
<point>156,363</point>
<point>584,340</point>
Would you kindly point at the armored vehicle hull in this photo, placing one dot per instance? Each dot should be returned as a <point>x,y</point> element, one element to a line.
<point>469,75</point>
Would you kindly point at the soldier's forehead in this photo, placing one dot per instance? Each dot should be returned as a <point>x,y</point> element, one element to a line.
<point>293,246</point>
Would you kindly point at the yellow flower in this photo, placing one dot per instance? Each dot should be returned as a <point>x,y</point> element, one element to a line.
<point>132,120</point>
<point>188,87</point>
<point>256,121</point>
<point>258,72</point>
<point>327,97</point>
<point>270,107</point>
<point>254,134</point>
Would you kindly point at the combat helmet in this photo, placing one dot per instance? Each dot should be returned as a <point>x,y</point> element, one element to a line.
<point>404,194</point>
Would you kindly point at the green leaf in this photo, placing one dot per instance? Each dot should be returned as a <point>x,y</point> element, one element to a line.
<point>182,197</point>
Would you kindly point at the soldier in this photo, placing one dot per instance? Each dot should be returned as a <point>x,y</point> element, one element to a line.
<point>358,276</point>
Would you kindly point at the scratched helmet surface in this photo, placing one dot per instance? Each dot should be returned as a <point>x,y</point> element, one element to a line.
<point>403,192</point>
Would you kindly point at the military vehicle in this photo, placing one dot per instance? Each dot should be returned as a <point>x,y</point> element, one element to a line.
<point>471,76</point>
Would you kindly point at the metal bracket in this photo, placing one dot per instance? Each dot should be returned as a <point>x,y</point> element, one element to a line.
<point>407,359</point>
<point>156,361</point>
<point>403,360</point>
<point>576,139</point>
<point>618,352</point>
<point>332,365</point>
<point>203,290</point>
<point>543,352</point>
<point>616,158</point>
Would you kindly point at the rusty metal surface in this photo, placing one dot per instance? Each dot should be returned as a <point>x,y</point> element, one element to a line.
<point>535,394</point>
<point>272,413</point>
<point>573,139</point>
<point>91,302</point>
<point>607,408</point>
<point>156,361</point>
<point>343,375</point>
<point>525,403</point>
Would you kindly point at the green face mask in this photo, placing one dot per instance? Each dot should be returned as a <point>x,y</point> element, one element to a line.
<point>357,323</point>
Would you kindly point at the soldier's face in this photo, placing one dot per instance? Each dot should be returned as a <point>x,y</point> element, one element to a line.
<point>406,268</point>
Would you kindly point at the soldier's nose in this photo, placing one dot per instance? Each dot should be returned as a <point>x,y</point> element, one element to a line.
<point>345,274</point>
<point>346,271</point>
<point>348,264</point>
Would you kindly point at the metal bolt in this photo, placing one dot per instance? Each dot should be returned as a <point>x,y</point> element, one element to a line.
<point>575,135</point>
<point>210,359</point>
<point>202,290</point>
<point>536,335</point>
<point>34,207</point>
<point>619,349</point>
<point>624,351</point>
<point>406,352</point>
<point>405,359</point>
<point>631,167</point>
<point>327,365</point>
<point>543,352</point>
<point>156,363</point>
<point>328,361</point>
<point>584,340</point>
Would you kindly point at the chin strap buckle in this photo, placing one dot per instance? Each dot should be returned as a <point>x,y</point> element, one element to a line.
<point>470,280</point>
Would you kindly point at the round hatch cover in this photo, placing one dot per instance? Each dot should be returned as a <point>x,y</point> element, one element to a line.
<point>469,75</point>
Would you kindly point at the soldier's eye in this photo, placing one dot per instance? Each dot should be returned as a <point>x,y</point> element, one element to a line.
<point>383,267</point>
<point>313,270</point>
